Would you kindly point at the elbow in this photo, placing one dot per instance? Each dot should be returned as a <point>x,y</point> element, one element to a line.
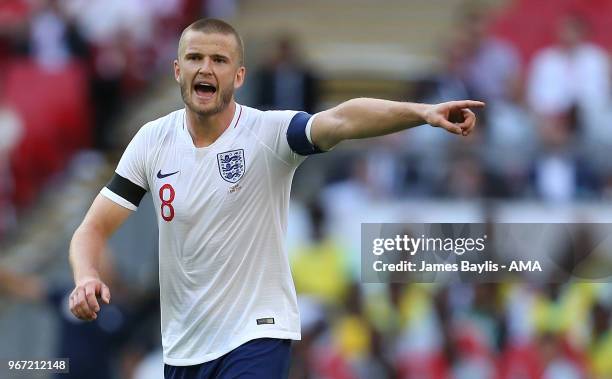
<point>83,230</point>
<point>328,129</point>
<point>328,143</point>
<point>95,227</point>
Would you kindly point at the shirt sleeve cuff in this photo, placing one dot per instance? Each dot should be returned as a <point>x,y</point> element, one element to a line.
<point>117,199</point>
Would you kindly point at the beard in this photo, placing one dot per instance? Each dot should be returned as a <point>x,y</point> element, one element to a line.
<point>225,95</point>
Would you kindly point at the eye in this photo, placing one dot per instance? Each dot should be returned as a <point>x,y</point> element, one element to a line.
<point>219,60</point>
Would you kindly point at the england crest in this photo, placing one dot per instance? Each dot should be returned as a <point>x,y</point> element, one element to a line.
<point>231,165</point>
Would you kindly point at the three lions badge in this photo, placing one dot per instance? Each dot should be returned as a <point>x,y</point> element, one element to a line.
<point>231,165</point>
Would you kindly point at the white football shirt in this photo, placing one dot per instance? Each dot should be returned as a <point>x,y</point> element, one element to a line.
<point>222,216</point>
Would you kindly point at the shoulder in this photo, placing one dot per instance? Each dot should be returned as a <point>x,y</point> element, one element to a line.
<point>544,62</point>
<point>500,49</point>
<point>548,55</point>
<point>168,122</point>
<point>498,44</point>
<point>268,114</point>
<point>160,127</point>
<point>272,116</point>
<point>591,50</point>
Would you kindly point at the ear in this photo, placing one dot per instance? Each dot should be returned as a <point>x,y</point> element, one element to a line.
<point>240,76</point>
<point>177,71</point>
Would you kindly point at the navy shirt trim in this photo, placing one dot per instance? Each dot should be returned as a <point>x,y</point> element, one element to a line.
<point>297,138</point>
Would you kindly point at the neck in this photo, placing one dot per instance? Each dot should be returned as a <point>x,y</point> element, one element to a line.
<point>205,130</point>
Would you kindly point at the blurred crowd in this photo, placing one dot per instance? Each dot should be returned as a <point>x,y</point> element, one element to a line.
<point>350,329</point>
<point>545,134</point>
<point>67,69</point>
<point>442,331</point>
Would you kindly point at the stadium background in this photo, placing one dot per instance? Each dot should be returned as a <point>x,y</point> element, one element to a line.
<point>78,78</point>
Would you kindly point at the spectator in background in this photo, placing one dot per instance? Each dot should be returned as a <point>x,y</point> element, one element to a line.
<point>285,82</point>
<point>53,39</point>
<point>323,256</point>
<point>347,199</point>
<point>555,362</point>
<point>491,68</point>
<point>449,83</point>
<point>129,39</point>
<point>572,75</point>
<point>430,146</point>
<point>357,340</point>
<point>465,178</point>
<point>11,130</point>
<point>560,174</point>
<point>91,346</point>
<point>100,20</point>
<point>600,350</point>
<point>109,68</point>
<point>423,347</point>
<point>315,336</point>
<point>13,29</point>
<point>510,146</point>
<point>492,71</point>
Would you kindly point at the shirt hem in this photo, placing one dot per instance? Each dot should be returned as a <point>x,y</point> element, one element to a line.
<point>212,356</point>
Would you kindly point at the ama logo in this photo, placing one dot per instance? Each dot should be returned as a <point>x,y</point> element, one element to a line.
<point>231,165</point>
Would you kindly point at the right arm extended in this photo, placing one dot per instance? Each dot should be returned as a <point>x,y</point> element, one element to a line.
<point>88,243</point>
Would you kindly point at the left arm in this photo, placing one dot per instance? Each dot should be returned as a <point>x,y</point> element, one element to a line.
<point>364,118</point>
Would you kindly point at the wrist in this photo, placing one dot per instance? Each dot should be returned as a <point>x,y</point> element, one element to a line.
<point>425,113</point>
<point>417,113</point>
<point>85,277</point>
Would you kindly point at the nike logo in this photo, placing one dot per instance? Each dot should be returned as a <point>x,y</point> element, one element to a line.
<point>161,176</point>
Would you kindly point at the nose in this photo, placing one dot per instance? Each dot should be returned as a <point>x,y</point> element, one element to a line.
<point>206,67</point>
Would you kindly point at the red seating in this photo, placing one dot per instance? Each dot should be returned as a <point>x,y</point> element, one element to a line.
<point>520,361</point>
<point>423,365</point>
<point>532,25</point>
<point>55,108</point>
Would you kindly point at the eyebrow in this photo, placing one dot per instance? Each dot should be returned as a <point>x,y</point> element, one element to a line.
<point>220,56</point>
<point>194,54</point>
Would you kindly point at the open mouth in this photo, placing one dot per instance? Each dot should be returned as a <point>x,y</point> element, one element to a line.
<point>205,89</point>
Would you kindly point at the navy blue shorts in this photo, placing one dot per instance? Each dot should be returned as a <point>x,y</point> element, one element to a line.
<point>266,358</point>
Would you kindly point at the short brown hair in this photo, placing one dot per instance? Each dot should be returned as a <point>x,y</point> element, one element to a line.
<point>213,25</point>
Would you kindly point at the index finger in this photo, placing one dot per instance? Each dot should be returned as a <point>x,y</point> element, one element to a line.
<point>468,104</point>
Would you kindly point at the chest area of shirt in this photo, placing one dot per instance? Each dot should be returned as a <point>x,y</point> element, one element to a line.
<point>187,182</point>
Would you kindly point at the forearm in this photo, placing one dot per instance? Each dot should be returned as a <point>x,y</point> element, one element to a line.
<point>89,241</point>
<point>86,248</point>
<point>363,118</point>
